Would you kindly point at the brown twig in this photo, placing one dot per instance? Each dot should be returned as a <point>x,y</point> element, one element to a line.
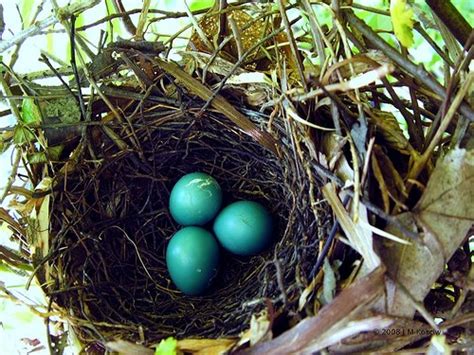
<point>452,19</point>
<point>418,72</point>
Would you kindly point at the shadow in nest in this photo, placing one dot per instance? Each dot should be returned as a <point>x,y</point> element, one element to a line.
<point>111,225</point>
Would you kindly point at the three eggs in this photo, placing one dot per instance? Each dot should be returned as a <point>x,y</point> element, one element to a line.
<point>192,256</point>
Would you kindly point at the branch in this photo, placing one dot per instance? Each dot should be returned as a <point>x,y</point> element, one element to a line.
<point>452,19</point>
<point>39,26</point>
<point>416,71</point>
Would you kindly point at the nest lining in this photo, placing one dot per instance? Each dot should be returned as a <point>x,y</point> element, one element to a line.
<point>111,225</point>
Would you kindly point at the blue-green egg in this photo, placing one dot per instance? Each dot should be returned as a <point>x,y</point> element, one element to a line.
<point>244,228</point>
<point>192,258</point>
<point>195,199</point>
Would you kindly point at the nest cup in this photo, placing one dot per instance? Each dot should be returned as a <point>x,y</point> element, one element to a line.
<point>111,225</point>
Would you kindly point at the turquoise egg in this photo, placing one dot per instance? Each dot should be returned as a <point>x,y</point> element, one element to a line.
<point>244,228</point>
<point>195,199</point>
<point>192,258</point>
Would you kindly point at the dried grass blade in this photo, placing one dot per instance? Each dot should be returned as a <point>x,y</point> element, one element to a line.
<point>221,104</point>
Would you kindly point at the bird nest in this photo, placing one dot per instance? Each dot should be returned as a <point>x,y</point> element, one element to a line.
<point>110,223</point>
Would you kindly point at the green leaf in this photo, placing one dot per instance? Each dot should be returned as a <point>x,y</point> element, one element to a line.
<point>167,347</point>
<point>31,114</point>
<point>22,135</point>
<point>402,21</point>
<point>201,4</point>
<point>5,140</point>
<point>37,158</point>
<point>55,152</point>
<point>26,9</point>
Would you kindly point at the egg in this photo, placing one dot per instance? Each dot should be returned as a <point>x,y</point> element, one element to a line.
<point>244,228</point>
<point>192,258</point>
<point>195,199</point>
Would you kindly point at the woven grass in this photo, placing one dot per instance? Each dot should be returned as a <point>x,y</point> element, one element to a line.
<point>111,225</point>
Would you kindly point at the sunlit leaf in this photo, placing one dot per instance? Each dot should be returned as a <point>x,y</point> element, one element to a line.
<point>26,8</point>
<point>402,20</point>
<point>201,4</point>
<point>167,347</point>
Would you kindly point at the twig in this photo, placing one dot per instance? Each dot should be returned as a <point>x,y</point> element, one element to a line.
<point>328,242</point>
<point>452,19</point>
<point>293,45</point>
<point>420,163</point>
<point>72,36</point>
<point>12,177</point>
<point>127,21</point>
<point>240,62</point>
<point>418,72</point>
<point>433,44</point>
<point>316,32</point>
<point>325,173</point>
<point>38,26</point>
<point>14,56</point>
<point>2,22</point>
<point>45,60</point>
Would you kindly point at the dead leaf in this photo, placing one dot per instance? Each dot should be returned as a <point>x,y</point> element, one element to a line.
<point>206,346</point>
<point>260,330</point>
<point>381,181</point>
<point>360,238</point>
<point>329,283</point>
<point>445,215</point>
<point>389,128</point>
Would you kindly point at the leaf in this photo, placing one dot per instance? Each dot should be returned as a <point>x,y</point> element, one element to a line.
<point>201,4</point>
<point>6,139</point>
<point>360,237</point>
<point>22,135</point>
<point>167,346</point>
<point>30,112</point>
<point>54,153</point>
<point>260,330</point>
<point>402,21</point>
<point>37,158</point>
<point>206,346</point>
<point>39,221</point>
<point>329,283</point>
<point>445,215</point>
<point>391,131</point>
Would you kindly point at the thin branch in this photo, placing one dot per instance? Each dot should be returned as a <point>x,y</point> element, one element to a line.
<point>418,72</point>
<point>452,19</point>
<point>39,26</point>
